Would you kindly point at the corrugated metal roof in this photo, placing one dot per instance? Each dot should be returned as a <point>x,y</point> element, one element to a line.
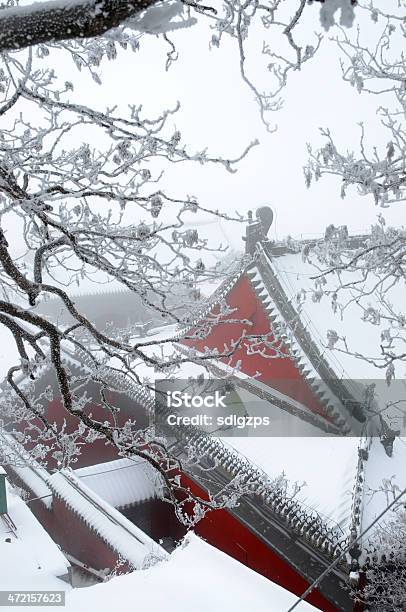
<point>122,482</point>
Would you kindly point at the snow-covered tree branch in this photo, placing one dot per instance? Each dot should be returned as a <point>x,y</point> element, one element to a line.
<point>373,278</point>
<point>94,213</point>
<point>377,72</point>
<point>56,20</point>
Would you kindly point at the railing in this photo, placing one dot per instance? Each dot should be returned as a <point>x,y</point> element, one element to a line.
<point>324,535</point>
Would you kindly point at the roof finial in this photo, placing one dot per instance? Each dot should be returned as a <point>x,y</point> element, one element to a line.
<point>256,231</point>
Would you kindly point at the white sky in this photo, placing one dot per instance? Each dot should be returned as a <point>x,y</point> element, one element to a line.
<point>218,112</point>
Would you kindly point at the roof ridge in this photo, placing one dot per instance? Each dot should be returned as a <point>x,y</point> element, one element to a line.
<point>309,525</point>
<point>104,519</point>
<point>277,248</point>
<point>207,306</point>
<point>303,338</point>
<point>270,394</point>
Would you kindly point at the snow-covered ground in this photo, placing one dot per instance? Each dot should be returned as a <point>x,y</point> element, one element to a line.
<point>31,560</point>
<point>196,578</point>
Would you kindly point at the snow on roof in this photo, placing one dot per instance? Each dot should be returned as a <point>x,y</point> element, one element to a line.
<point>326,466</point>
<point>382,473</point>
<point>209,285</point>
<point>98,283</point>
<point>121,482</point>
<point>329,465</point>
<point>31,560</point>
<point>295,274</point>
<point>196,578</point>
<point>34,480</point>
<point>26,469</point>
<point>114,528</point>
<point>361,337</point>
<point>159,333</point>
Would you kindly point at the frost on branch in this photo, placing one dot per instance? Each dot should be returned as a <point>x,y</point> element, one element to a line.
<point>385,585</point>
<point>377,171</point>
<point>372,276</point>
<point>365,276</point>
<point>283,48</point>
<point>42,22</point>
<point>81,201</point>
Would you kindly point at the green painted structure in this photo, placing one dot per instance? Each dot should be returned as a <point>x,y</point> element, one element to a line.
<point>3,494</point>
